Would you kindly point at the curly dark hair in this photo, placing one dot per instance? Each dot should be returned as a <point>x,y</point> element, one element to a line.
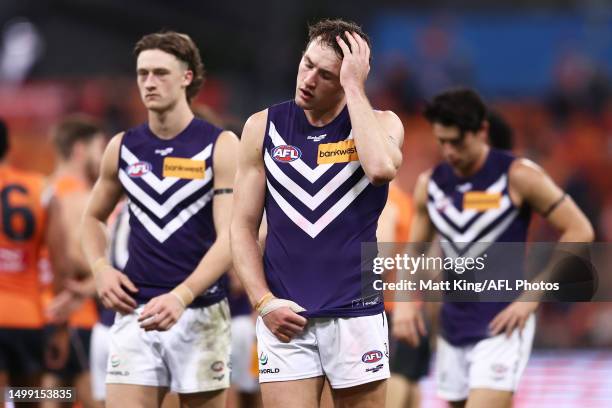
<point>182,47</point>
<point>327,30</point>
<point>461,107</point>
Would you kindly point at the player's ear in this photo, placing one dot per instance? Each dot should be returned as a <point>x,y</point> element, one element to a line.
<point>484,129</point>
<point>187,78</point>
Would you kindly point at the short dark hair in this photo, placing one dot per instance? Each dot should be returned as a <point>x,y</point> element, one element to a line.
<point>327,30</point>
<point>183,48</point>
<point>501,135</point>
<point>4,139</point>
<point>73,129</point>
<point>461,107</point>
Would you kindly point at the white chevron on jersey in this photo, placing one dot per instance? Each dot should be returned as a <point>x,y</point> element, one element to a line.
<point>463,239</point>
<point>310,201</point>
<point>310,174</point>
<point>163,209</point>
<point>483,243</point>
<point>314,229</point>
<point>162,234</point>
<point>160,186</point>
<point>461,218</point>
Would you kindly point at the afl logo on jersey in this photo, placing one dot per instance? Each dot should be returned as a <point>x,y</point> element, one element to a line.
<point>373,356</point>
<point>138,169</point>
<point>286,153</point>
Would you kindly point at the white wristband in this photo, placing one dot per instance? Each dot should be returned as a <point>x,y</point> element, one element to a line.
<point>275,304</point>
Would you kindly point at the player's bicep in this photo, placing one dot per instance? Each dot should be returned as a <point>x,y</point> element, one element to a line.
<point>533,186</point>
<point>393,126</point>
<point>421,227</point>
<point>107,190</point>
<point>225,165</point>
<point>250,186</point>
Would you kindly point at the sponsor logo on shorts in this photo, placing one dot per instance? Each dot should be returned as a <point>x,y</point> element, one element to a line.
<point>373,356</point>
<point>263,358</point>
<point>499,371</point>
<point>139,169</point>
<point>119,373</point>
<point>164,152</point>
<point>115,361</point>
<point>269,371</point>
<point>375,369</point>
<point>219,377</point>
<point>217,366</point>
<point>340,152</point>
<point>286,153</point>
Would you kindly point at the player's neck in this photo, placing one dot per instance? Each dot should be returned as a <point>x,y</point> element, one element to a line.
<point>477,164</point>
<point>169,123</point>
<point>320,118</point>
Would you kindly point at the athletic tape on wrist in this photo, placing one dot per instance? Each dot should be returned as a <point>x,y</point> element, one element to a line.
<point>183,294</point>
<point>99,263</point>
<point>275,304</point>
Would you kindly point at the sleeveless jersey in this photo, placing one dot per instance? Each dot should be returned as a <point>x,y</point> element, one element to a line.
<point>320,207</point>
<point>169,184</point>
<point>23,206</point>
<point>470,214</point>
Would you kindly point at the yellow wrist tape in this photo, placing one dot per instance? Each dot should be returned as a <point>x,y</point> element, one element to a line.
<point>262,302</point>
<point>183,294</point>
<point>99,263</point>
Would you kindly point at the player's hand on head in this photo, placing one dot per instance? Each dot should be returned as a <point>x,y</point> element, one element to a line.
<point>161,313</point>
<point>356,62</point>
<point>514,316</point>
<point>113,287</point>
<point>284,323</point>
<point>408,323</point>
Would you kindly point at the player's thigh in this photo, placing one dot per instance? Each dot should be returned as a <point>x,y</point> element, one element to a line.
<point>134,396</point>
<point>485,398</point>
<point>212,399</point>
<point>368,395</point>
<point>304,393</point>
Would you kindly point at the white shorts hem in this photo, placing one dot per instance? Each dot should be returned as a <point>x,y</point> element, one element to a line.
<point>137,382</point>
<point>493,387</point>
<point>294,377</point>
<point>359,381</point>
<point>216,387</point>
<point>451,397</point>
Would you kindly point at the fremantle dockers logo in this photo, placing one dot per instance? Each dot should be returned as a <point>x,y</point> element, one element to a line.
<point>139,169</point>
<point>286,153</point>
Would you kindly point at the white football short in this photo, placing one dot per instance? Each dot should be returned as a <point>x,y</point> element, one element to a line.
<point>349,351</point>
<point>192,356</point>
<point>495,363</point>
<point>100,340</point>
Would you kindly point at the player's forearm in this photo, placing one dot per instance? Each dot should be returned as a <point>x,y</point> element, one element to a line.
<point>93,239</point>
<point>248,262</point>
<point>378,154</point>
<point>216,262</point>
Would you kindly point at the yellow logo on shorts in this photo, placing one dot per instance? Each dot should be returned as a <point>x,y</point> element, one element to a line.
<point>340,152</point>
<point>184,168</point>
<point>481,200</point>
